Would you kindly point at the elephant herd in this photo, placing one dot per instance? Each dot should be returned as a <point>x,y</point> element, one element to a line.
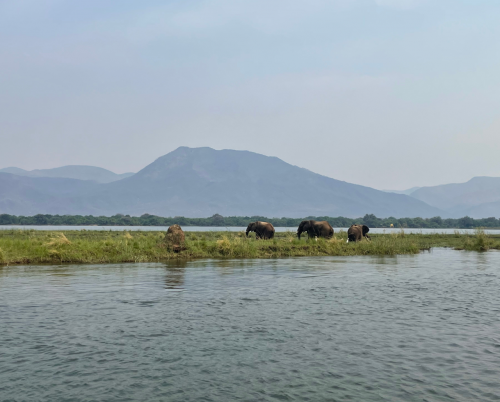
<point>314,229</point>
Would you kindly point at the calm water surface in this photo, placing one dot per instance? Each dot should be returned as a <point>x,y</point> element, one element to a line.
<point>409,328</point>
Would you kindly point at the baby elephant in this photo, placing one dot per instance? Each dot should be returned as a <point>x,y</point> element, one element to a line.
<point>263,230</point>
<point>357,232</point>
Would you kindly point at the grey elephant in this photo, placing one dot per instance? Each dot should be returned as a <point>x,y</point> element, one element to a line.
<point>315,229</point>
<point>357,232</point>
<point>263,230</point>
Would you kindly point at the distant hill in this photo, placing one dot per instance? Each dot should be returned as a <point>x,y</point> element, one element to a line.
<point>80,172</point>
<point>407,192</point>
<point>488,209</point>
<point>199,182</point>
<point>21,195</point>
<point>477,198</point>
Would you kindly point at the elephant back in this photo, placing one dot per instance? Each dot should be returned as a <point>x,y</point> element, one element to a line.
<point>267,229</point>
<point>357,232</point>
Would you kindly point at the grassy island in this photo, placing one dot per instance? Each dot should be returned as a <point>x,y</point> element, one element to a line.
<point>42,247</point>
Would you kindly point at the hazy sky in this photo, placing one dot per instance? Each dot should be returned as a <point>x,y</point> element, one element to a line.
<point>386,93</point>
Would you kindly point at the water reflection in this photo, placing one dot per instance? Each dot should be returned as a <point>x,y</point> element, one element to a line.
<point>175,274</point>
<point>384,260</point>
<point>482,262</point>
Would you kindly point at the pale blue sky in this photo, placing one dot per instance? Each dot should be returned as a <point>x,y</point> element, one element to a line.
<point>384,93</point>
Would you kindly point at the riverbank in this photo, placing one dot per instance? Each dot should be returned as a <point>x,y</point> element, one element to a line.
<point>237,221</point>
<point>43,247</point>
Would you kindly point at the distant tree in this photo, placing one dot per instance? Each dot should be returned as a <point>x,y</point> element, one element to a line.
<point>450,223</point>
<point>181,220</point>
<point>436,222</point>
<point>490,222</point>
<point>466,222</point>
<point>371,220</point>
<point>7,219</point>
<point>40,219</point>
<point>419,223</point>
<point>217,220</point>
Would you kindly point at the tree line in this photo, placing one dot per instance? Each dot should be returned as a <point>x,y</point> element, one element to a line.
<point>218,220</point>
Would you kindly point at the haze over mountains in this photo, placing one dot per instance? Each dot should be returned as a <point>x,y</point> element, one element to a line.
<point>477,198</point>
<point>199,182</point>
<point>407,192</point>
<point>80,172</point>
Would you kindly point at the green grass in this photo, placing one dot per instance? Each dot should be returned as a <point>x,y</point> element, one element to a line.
<point>479,242</point>
<point>40,247</point>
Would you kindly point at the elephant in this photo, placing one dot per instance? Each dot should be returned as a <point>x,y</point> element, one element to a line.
<point>175,238</point>
<point>357,232</point>
<point>315,229</point>
<point>263,230</point>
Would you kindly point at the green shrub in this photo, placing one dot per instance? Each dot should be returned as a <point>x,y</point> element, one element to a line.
<point>479,242</point>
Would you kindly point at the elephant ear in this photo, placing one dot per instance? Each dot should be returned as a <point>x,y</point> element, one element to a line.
<point>366,229</point>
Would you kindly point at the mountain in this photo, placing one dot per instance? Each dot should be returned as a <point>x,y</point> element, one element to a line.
<point>199,182</point>
<point>80,172</point>
<point>486,210</point>
<point>477,198</point>
<point>20,195</point>
<point>407,192</point>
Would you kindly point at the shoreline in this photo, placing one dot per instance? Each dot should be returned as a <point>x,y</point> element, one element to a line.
<point>9,226</point>
<point>18,247</point>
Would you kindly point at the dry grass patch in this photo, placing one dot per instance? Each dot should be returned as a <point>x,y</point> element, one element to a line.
<point>58,239</point>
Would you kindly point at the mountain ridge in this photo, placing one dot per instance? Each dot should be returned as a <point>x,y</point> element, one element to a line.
<point>407,191</point>
<point>79,172</point>
<point>475,197</point>
<point>200,182</point>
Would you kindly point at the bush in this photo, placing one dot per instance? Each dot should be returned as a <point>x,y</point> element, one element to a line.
<point>480,241</point>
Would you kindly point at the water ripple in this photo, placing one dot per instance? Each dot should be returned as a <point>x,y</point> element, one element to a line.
<point>411,328</point>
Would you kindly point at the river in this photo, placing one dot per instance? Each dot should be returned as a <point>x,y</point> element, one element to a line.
<point>405,328</point>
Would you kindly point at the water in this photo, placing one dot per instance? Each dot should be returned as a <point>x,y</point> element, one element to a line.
<point>407,328</point>
<point>230,229</point>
